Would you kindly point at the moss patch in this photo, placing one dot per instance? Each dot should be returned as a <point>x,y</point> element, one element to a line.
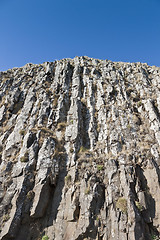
<point>122,204</point>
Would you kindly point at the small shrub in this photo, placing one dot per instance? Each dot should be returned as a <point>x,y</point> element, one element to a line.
<point>87,191</point>
<point>71,150</point>
<point>6,217</point>
<point>154,237</point>
<point>71,121</point>
<point>22,132</point>
<point>97,218</point>
<point>99,167</point>
<point>45,237</point>
<point>30,195</point>
<point>68,179</point>
<point>25,158</point>
<point>82,149</point>
<point>139,103</point>
<point>122,204</point>
<point>128,126</point>
<point>139,206</point>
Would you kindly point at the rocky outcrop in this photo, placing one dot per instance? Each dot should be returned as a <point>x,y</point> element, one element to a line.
<point>79,151</point>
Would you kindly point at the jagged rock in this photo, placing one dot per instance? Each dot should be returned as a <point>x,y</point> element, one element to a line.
<point>79,151</point>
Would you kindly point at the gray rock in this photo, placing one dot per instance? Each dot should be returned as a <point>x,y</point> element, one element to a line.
<point>79,151</point>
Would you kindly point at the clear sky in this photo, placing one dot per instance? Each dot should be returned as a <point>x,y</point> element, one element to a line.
<point>44,30</point>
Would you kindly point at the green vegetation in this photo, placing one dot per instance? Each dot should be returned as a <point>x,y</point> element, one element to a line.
<point>87,191</point>
<point>82,149</point>
<point>154,237</point>
<point>99,167</point>
<point>25,158</point>
<point>22,132</point>
<point>30,195</point>
<point>122,204</point>
<point>68,179</point>
<point>97,218</point>
<point>139,103</point>
<point>6,217</point>
<point>128,126</point>
<point>45,237</point>
<point>139,206</point>
<point>71,150</point>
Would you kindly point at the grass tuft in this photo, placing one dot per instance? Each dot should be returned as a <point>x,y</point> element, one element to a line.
<point>122,204</point>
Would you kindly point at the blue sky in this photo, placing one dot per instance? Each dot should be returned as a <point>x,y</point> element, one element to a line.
<point>119,30</point>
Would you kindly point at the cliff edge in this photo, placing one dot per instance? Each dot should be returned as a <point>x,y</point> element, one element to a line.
<point>79,151</point>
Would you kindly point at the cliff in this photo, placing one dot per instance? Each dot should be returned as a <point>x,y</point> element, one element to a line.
<point>79,151</point>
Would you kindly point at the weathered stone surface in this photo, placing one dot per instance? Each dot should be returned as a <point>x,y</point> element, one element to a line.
<point>80,151</point>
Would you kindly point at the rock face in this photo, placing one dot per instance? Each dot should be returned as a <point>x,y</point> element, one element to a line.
<point>80,151</point>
